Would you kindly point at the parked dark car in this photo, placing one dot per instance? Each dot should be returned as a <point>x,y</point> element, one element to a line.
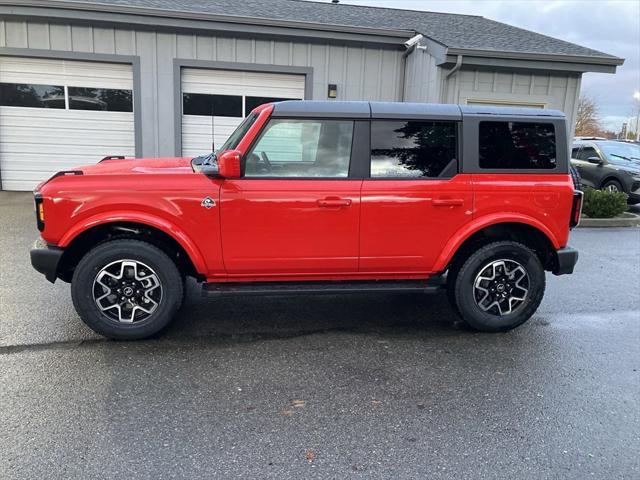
<point>608,165</point>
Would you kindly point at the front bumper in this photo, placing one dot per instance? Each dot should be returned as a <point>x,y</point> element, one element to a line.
<point>45,259</point>
<point>566,259</point>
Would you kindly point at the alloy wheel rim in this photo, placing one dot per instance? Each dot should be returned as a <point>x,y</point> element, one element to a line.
<point>127,291</point>
<point>501,287</point>
<point>611,188</point>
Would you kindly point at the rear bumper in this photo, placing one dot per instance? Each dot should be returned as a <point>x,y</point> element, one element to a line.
<point>566,259</point>
<point>45,259</point>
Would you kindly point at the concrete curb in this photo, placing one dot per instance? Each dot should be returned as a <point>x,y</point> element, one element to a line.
<point>627,219</point>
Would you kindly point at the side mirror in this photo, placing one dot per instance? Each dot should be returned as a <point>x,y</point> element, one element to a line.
<point>229,164</point>
<point>210,170</point>
<point>595,160</point>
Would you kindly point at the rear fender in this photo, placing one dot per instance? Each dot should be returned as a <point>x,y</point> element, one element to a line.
<point>483,222</point>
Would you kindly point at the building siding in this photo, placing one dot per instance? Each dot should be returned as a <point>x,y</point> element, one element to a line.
<point>555,90</point>
<point>422,80</point>
<point>361,73</point>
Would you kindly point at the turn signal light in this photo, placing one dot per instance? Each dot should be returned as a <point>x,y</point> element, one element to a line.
<point>576,209</point>
<point>39,210</point>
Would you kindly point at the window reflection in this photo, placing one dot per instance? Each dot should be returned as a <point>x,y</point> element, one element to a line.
<point>412,149</point>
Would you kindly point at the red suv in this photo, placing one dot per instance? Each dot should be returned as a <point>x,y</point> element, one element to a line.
<point>322,197</point>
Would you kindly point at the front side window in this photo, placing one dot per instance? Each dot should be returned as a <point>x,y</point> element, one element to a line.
<point>301,148</point>
<point>106,99</point>
<point>31,95</point>
<point>517,145</point>
<point>413,149</point>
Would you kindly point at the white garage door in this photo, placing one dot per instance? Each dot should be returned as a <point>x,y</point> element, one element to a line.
<point>57,114</point>
<point>226,97</point>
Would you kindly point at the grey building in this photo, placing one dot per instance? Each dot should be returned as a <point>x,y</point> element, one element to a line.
<point>80,80</point>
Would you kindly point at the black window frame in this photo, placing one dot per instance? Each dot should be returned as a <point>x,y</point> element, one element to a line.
<point>458,145</point>
<point>470,146</point>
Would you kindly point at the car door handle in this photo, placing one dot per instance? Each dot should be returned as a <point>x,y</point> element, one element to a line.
<point>334,202</point>
<point>448,202</point>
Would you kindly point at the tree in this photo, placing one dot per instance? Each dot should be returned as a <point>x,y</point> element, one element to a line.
<point>587,120</point>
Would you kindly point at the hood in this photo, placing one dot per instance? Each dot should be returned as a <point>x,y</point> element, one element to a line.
<point>166,165</point>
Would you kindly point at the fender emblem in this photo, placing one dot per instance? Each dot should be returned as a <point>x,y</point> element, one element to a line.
<point>208,202</point>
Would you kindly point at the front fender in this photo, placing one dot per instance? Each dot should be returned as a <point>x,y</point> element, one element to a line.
<point>483,222</point>
<point>143,218</point>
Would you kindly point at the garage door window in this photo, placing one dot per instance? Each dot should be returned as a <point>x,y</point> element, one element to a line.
<point>107,99</point>
<point>253,102</point>
<point>31,95</point>
<point>209,105</point>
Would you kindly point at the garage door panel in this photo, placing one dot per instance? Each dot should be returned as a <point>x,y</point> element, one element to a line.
<point>37,142</point>
<point>73,73</point>
<point>196,130</point>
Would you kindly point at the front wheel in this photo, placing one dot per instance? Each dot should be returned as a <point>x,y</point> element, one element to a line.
<point>126,289</point>
<point>499,286</point>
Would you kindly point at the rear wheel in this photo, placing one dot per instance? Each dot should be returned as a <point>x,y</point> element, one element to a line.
<point>499,286</point>
<point>126,289</point>
<point>612,186</point>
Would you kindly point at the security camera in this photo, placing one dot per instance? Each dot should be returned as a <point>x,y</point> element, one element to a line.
<point>413,40</point>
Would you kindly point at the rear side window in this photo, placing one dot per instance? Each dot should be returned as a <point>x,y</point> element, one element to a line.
<point>517,146</point>
<point>587,152</point>
<point>413,149</point>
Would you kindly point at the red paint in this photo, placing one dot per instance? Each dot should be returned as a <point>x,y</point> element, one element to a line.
<point>289,229</point>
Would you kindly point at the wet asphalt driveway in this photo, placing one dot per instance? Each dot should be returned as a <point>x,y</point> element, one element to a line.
<point>361,386</point>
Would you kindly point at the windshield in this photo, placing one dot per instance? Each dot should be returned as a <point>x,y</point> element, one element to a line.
<point>617,152</point>
<point>237,135</point>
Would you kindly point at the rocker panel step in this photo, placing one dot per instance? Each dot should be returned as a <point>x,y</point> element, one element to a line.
<point>320,287</point>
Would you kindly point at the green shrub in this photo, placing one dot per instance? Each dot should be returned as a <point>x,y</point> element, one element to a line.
<point>601,204</point>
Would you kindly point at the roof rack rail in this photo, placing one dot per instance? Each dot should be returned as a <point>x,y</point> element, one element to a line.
<point>113,157</point>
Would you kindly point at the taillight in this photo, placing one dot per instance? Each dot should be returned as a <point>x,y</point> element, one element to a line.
<point>39,210</point>
<point>576,209</point>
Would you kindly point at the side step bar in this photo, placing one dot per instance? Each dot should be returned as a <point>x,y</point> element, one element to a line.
<point>432,285</point>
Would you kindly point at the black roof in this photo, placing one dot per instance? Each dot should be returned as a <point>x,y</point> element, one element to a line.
<point>451,30</point>
<point>400,110</point>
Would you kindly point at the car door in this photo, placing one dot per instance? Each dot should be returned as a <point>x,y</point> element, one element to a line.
<point>589,172</point>
<point>295,210</point>
<point>414,200</point>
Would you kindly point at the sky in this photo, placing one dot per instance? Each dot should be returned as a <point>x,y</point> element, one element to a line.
<point>610,26</point>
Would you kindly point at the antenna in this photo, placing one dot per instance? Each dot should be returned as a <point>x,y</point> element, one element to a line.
<point>213,129</point>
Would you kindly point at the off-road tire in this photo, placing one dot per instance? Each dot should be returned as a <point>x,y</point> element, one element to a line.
<point>82,288</point>
<point>463,291</point>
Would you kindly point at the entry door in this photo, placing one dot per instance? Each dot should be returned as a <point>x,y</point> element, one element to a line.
<point>295,211</point>
<point>414,200</point>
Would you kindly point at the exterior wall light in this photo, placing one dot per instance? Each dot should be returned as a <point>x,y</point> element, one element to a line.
<point>332,91</point>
